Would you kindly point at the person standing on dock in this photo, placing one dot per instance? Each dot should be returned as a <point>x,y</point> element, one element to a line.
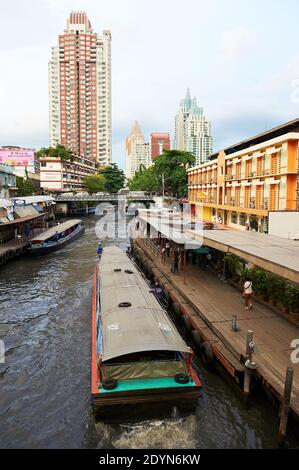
<point>176,261</point>
<point>27,232</point>
<point>167,247</point>
<point>100,250</point>
<point>247,294</point>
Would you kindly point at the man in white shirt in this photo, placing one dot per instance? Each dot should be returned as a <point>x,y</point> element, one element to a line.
<point>247,294</point>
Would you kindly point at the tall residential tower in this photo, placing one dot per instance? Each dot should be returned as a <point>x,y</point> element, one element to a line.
<point>192,130</point>
<point>80,90</point>
<point>137,152</point>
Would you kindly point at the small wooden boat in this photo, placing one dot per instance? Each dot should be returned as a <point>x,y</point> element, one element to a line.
<point>138,357</point>
<point>57,237</point>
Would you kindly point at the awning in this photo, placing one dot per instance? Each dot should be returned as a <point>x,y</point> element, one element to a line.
<point>23,219</point>
<point>203,250</point>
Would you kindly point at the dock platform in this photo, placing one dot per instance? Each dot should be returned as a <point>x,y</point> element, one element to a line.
<point>214,303</point>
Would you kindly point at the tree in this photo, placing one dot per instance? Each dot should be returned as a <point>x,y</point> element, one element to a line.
<point>171,166</point>
<point>144,180</point>
<point>58,152</point>
<point>174,164</point>
<point>114,178</point>
<point>25,187</point>
<point>94,183</point>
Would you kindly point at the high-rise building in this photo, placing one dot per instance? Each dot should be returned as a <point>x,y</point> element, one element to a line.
<point>192,130</point>
<point>80,90</point>
<point>137,152</point>
<point>159,143</point>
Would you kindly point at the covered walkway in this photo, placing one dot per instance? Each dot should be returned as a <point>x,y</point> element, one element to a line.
<point>216,303</point>
<point>274,254</point>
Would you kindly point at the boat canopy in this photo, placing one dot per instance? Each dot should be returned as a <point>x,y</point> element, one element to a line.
<point>58,228</point>
<point>142,326</point>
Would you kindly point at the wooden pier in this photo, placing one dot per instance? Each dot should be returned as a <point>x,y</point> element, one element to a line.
<point>210,305</point>
<point>11,250</point>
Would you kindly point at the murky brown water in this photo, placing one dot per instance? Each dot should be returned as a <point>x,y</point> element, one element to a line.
<point>45,311</point>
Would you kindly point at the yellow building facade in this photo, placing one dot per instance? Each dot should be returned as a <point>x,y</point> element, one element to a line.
<point>239,188</point>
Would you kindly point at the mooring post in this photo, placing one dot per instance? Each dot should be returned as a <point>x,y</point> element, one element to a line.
<point>250,366</point>
<point>234,323</point>
<point>285,406</point>
<point>249,339</point>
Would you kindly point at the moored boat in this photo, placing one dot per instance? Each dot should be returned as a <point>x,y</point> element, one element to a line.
<point>138,357</point>
<point>56,237</point>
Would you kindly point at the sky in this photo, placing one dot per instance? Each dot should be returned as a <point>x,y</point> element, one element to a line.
<point>240,58</point>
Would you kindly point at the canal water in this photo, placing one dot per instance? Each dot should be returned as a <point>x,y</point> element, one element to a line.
<point>45,321</point>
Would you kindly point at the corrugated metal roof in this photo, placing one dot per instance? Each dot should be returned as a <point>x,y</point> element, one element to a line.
<point>33,199</point>
<point>5,203</point>
<point>144,326</point>
<point>25,211</point>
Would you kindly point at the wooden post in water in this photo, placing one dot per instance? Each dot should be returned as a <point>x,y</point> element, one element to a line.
<point>249,340</point>
<point>185,266</point>
<point>248,369</point>
<point>285,406</point>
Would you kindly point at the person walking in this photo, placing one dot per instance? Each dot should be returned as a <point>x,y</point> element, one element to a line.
<point>167,247</point>
<point>247,294</point>
<point>100,250</point>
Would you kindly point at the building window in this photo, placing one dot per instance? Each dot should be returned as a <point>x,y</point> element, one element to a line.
<point>242,219</point>
<point>234,218</point>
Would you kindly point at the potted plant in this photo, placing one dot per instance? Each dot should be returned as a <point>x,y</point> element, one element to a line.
<point>260,280</point>
<point>276,288</point>
<point>292,294</point>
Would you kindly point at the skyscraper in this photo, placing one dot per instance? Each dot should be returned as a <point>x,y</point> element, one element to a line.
<point>80,90</point>
<point>159,142</point>
<point>193,130</point>
<point>137,152</point>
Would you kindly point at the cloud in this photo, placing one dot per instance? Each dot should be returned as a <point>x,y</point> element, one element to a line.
<point>236,41</point>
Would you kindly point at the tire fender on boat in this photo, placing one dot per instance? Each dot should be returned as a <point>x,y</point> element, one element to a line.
<point>206,354</point>
<point>110,384</point>
<point>186,323</point>
<point>181,378</point>
<point>176,309</point>
<point>196,340</point>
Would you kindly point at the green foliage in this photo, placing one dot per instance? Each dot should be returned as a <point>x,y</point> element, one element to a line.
<point>25,187</point>
<point>144,180</point>
<point>94,183</point>
<point>292,299</point>
<point>264,283</point>
<point>114,178</point>
<point>173,165</point>
<point>260,281</point>
<point>246,274</point>
<point>276,288</point>
<point>58,152</point>
<point>233,264</point>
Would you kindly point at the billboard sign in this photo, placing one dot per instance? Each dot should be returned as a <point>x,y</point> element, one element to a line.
<point>17,157</point>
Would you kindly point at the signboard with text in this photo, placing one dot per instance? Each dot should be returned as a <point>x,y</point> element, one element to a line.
<point>17,157</point>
